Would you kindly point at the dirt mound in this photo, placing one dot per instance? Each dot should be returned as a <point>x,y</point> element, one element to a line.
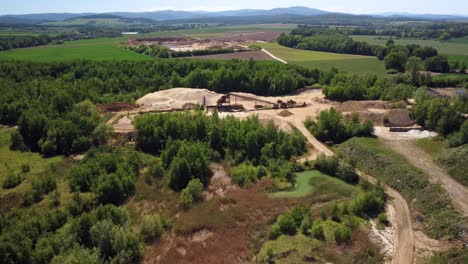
<point>176,99</point>
<point>355,106</point>
<point>115,107</point>
<point>285,113</point>
<point>399,118</point>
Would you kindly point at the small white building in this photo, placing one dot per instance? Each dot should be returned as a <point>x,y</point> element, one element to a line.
<point>129,33</point>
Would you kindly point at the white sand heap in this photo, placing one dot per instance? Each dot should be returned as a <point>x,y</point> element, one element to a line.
<point>176,98</point>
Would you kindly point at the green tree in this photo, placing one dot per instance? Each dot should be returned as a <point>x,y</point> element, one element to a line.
<point>396,60</point>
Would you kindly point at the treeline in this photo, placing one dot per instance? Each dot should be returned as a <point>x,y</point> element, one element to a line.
<point>345,86</point>
<point>394,56</point>
<point>421,30</point>
<point>187,142</point>
<point>156,51</point>
<point>7,43</point>
<point>337,43</point>
<point>332,126</point>
<point>442,115</point>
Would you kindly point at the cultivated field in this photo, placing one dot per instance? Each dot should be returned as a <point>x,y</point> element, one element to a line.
<point>455,50</point>
<point>326,60</point>
<point>246,55</point>
<point>92,49</point>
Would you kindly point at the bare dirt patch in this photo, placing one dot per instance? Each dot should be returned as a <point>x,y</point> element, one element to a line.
<point>220,183</point>
<point>245,55</point>
<point>251,36</point>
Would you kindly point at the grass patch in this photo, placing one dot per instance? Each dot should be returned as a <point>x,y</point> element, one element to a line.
<point>13,160</point>
<point>89,49</point>
<point>453,160</point>
<point>327,60</point>
<point>314,183</point>
<point>431,146</point>
<point>439,218</point>
<point>446,48</point>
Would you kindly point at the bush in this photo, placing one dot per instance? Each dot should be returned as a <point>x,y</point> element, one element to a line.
<point>317,229</point>
<point>342,234</point>
<point>186,198</point>
<point>275,232</point>
<point>305,225</point>
<point>25,168</point>
<point>156,169</point>
<point>382,219</point>
<point>286,224</point>
<point>17,141</point>
<point>12,180</point>
<point>245,174</point>
<point>151,228</point>
<point>180,174</point>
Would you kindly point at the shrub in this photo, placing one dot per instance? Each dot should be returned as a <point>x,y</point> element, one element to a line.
<point>12,180</point>
<point>180,174</point>
<point>275,232</point>
<point>186,198</point>
<point>305,225</point>
<point>151,228</point>
<point>317,229</point>
<point>244,174</point>
<point>382,219</point>
<point>342,234</point>
<point>156,169</point>
<point>25,168</point>
<point>17,141</point>
<point>286,224</point>
<point>191,193</point>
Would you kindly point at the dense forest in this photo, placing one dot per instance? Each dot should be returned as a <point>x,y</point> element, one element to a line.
<point>187,142</point>
<point>52,103</point>
<point>7,43</point>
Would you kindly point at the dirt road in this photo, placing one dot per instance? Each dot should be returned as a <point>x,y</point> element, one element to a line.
<point>274,57</point>
<point>400,216</point>
<point>416,156</point>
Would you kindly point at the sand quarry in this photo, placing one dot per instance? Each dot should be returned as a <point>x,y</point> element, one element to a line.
<point>179,99</point>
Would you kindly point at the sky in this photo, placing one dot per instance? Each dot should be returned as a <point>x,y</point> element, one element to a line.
<point>345,6</point>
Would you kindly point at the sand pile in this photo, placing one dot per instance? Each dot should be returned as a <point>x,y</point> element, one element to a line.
<point>177,98</point>
<point>354,106</point>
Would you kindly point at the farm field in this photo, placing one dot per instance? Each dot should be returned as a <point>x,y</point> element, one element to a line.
<point>455,50</point>
<point>325,60</point>
<point>89,49</point>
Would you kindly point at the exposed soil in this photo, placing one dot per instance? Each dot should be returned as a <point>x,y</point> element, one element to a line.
<point>115,107</point>
<point>225,244</point>
<point>249,36</point>
<point>245,55</point>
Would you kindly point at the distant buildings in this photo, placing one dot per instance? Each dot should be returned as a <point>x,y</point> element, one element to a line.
<point>129,33</point>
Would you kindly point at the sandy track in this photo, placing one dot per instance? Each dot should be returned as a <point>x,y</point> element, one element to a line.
<point>274,57</point>
<point>457,192</point>
<point>400,216</point>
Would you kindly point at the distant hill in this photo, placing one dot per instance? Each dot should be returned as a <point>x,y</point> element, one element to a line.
<point>422,16</point>
<point>162,15</point>
<point>276,15</point>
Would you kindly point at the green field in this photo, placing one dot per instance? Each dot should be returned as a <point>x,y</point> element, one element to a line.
<point>310,182</point>
<point>89,49</point>
<point>455,49</point>
<point>326,60</point>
